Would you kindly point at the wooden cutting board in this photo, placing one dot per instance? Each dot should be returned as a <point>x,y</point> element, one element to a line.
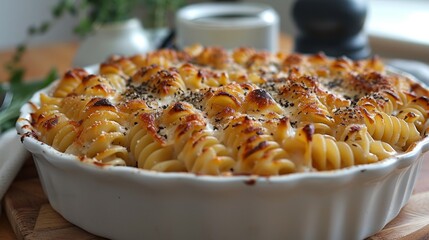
<point>32,217</point>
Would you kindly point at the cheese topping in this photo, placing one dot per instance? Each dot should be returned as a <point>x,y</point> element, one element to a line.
<point>206,111</point>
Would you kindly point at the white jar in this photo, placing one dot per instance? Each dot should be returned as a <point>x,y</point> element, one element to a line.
<point>228,25</point>
<point>123,38</point>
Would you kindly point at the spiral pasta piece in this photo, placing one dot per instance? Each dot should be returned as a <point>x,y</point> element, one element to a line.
<point>354,147</point>
<point>55,128</point>
<point>226,100</point>
<point>194,143</point>
<point>95,85</point>
<point>261,102</point>
<point>114,75</point>
<point>255,151</point>
<point>165,58</point>
<point>48,105</point>
<point>308,107</point>
<point>103,137</point>
<point>242,55</point>
<point>74,107</point>
<point>148,149</point>
<point>382,149</point>
<point>203,153</point>
<point>139,60</point>
<point>69,82</point>
<point>197,78</point>
<point>126,65</point>
<point>191,75</point>
<point>390,102</point>
<point>297,144</point>
<point>163,82</point>
<point>391,129</point>
<point>213,56</point>
<point>328,154</point>
<point>416,112</point>
<point>58,131</point>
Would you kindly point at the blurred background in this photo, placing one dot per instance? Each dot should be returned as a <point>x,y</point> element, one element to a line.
<point>396,28</point>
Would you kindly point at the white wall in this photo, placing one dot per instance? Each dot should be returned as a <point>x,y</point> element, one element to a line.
<point>17,15</point>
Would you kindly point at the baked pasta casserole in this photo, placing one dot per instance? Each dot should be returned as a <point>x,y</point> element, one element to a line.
<point>208,111</point>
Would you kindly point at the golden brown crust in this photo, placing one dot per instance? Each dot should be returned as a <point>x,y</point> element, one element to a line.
<point>209,111</point>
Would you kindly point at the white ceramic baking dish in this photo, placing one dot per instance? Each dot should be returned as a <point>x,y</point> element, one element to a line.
<point>129,203</point>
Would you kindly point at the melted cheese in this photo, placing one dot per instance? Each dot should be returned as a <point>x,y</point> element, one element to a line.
<point>207,111</point>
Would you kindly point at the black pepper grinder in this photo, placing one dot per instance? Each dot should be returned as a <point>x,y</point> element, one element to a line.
<point>332,26</point>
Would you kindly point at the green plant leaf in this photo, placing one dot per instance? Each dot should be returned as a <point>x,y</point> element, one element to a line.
<point>16,78</point>
<point>72,9</point>
<point>84,27</point>
<point>44,27</point>
<point>58,10</point>
<point>32,30</point>
<point>21,92</point>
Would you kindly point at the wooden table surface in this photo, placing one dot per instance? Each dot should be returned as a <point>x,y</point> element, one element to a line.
<point>40,59</point>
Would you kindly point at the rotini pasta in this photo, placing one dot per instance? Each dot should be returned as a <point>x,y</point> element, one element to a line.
<point>102,133</point>
<point>69,82</point>
<point>194,143</point>
<point>149,149</point>
<point>55,128</point>
<point>415,111</point>
<point>254,149</point>
<point>208,111</point>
